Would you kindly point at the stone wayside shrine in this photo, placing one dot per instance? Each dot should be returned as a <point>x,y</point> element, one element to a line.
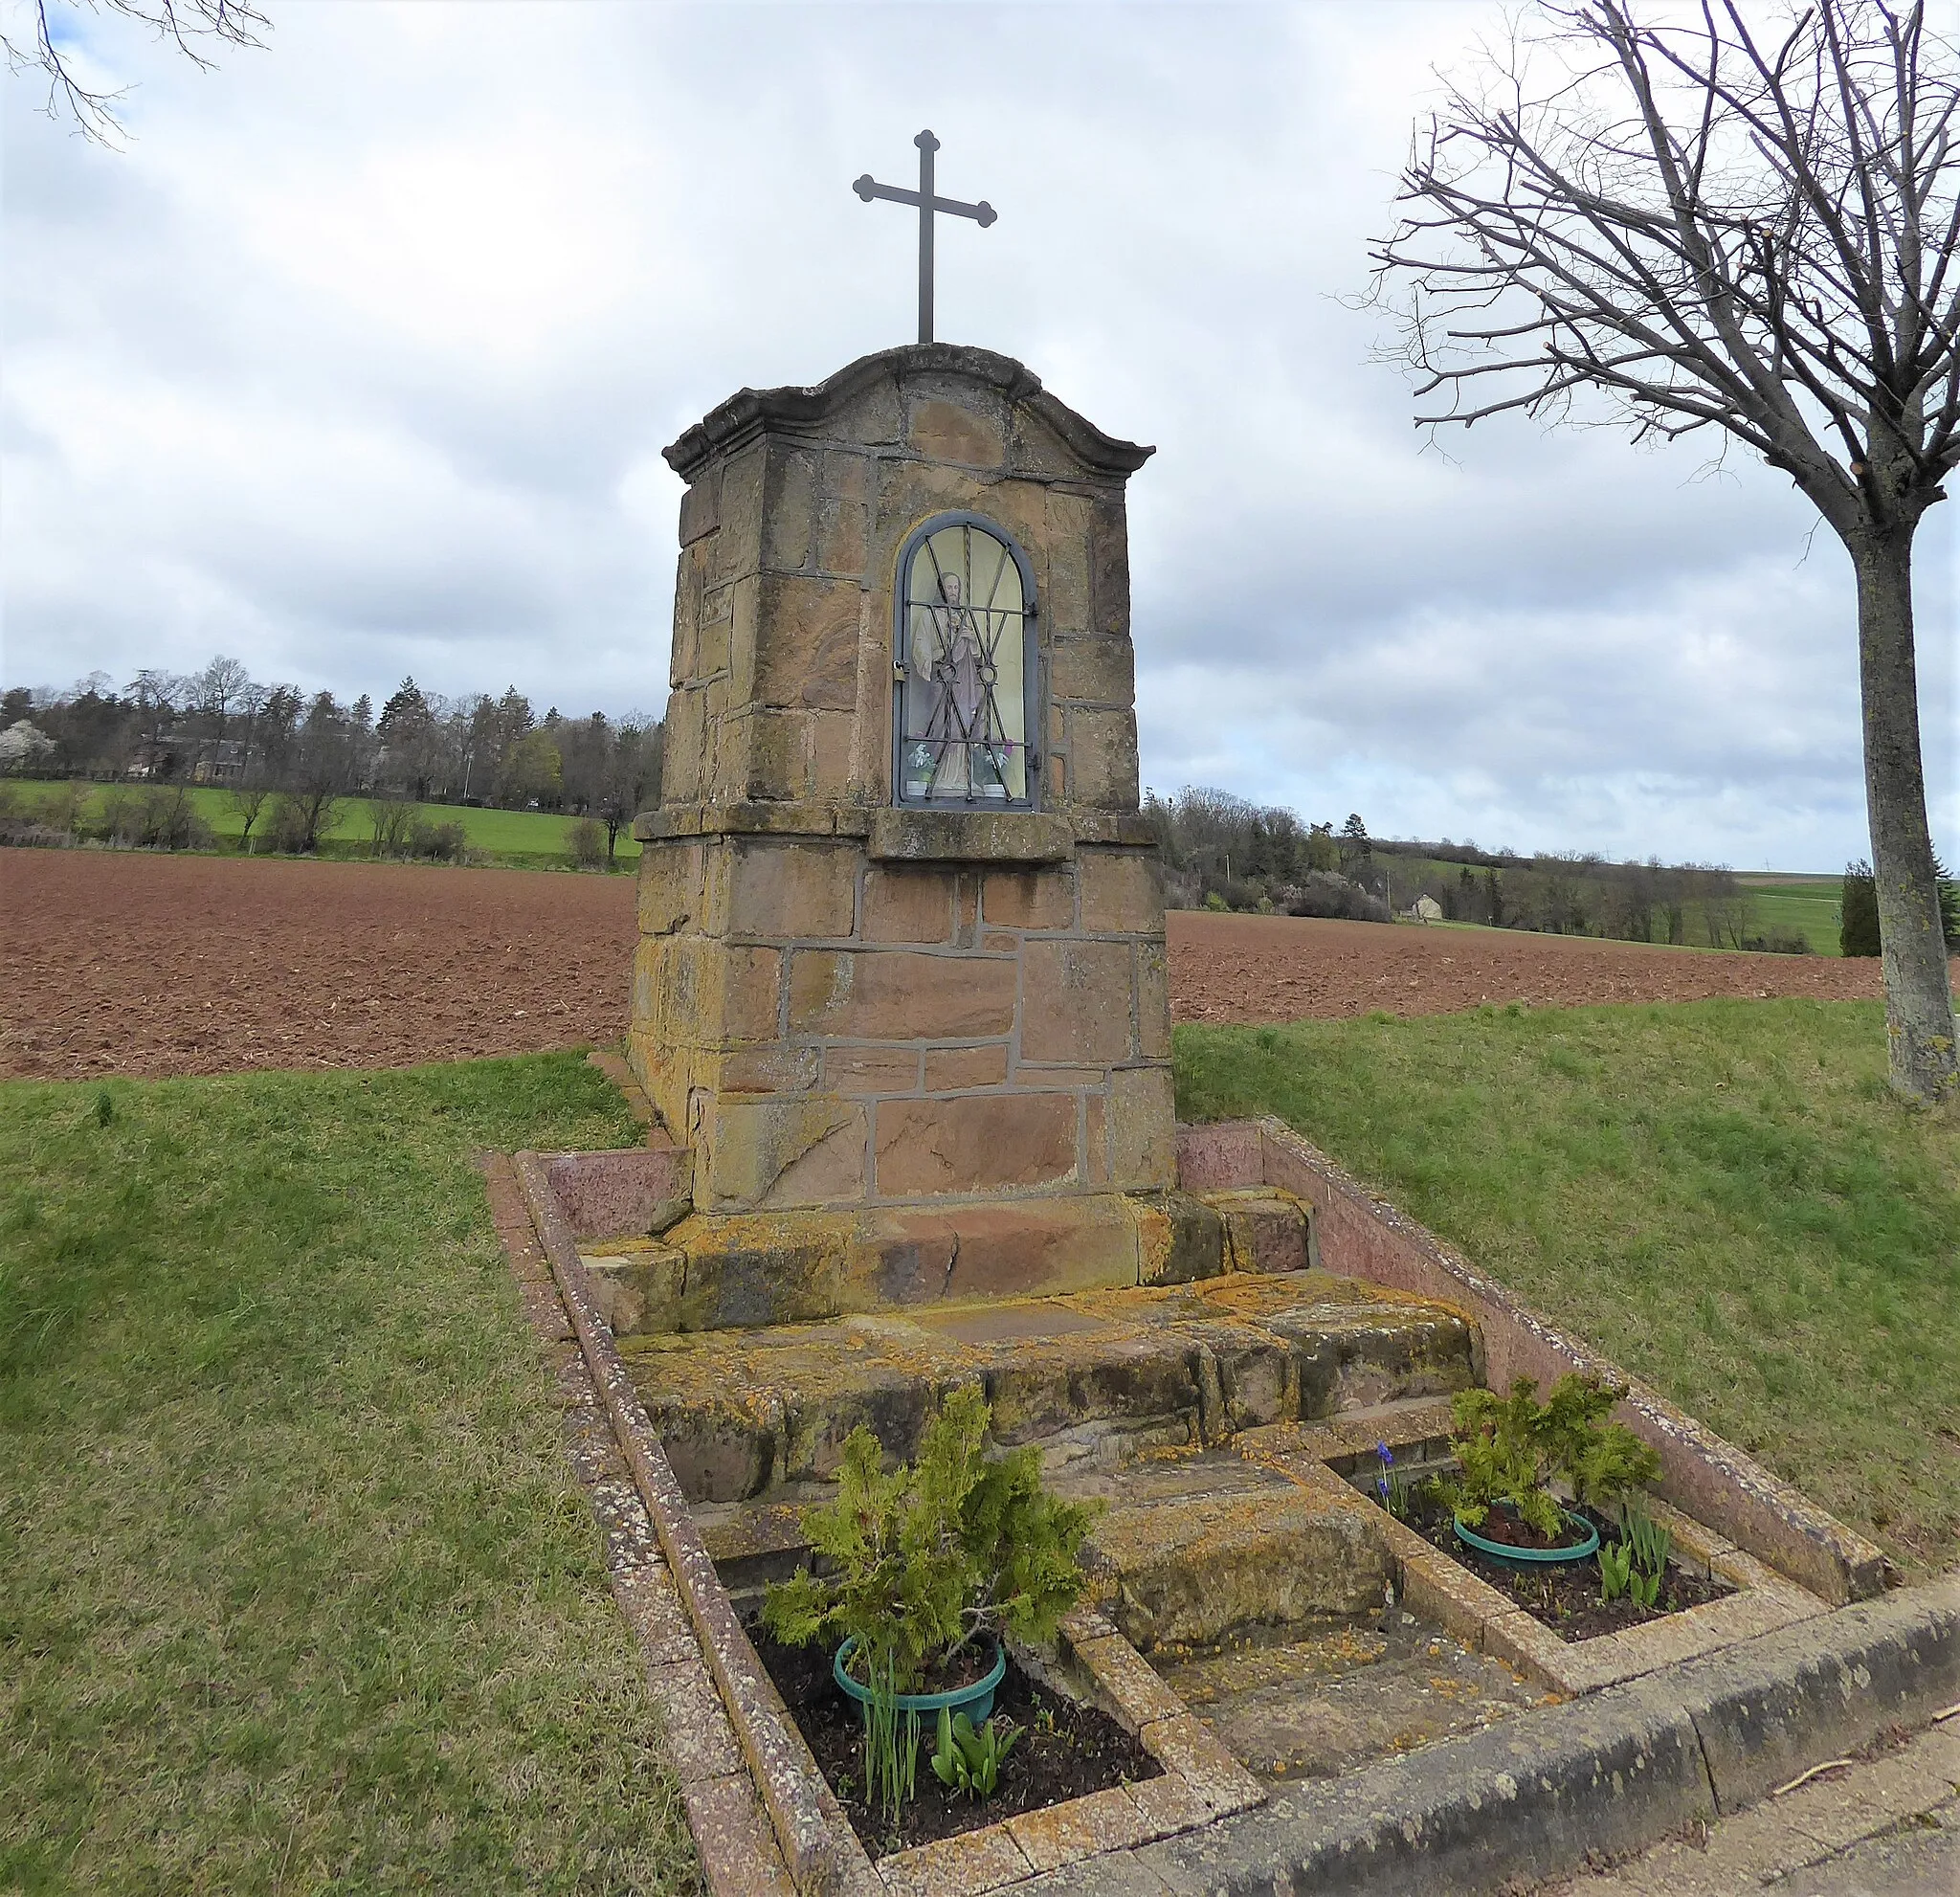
<point>900,1007</point>
<point>900,987</point>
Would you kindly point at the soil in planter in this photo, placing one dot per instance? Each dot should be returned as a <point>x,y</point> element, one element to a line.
<point>1566,1598</point>
<point>1066,1750</point>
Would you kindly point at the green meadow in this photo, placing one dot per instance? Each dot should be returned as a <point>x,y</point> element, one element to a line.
<point>1805,905</point>
<point>522,839</point>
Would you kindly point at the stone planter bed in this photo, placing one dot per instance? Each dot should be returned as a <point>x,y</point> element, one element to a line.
<point>1067,1750</point>
<point>1378,1352</point>
<point>1566,1598</point>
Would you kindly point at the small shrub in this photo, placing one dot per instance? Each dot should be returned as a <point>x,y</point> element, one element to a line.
<point>159,816</point>
<point>390,821</point>
<point>302,819</point>
<point>119,823</point>
<point>920,1562</point>
<point>1857,928</point>
<point>170,820</point>
<point>586,841</point>
<point>66,808</point>
<point>1216,902</point>
<point>438,842</point>
<point>1778,942</point>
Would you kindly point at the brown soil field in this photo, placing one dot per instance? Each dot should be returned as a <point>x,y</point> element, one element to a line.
<point>116,962</point>
<point>119,962</point>
<point>1281,969</point>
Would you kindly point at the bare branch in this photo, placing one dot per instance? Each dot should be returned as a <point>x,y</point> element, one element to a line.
<point>53,53</point>
<point>1702,228</point>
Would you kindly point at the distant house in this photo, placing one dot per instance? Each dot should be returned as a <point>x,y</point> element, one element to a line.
<point>1427,910</point>
<point>224,764</point>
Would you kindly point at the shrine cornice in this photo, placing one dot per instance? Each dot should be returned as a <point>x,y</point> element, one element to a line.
<point>806,412</point>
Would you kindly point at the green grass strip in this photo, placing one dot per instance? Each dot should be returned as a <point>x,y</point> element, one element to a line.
<point>1723,1196</point>
<point>297,1592</point>
<point>524,837</point>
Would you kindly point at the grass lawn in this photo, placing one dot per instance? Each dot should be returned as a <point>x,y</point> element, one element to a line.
<point>297,1592</point>
<point>1723,1196</point>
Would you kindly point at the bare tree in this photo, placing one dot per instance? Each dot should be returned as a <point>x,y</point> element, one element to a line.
<point>391,811</point>
<point>190,25</point>
<point>248,797</point>
<point>216,694</point>
<point>1713,225</point>
<point>156,697</point>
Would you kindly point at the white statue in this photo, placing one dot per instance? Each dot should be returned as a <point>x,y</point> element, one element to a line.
<point>946,648</point>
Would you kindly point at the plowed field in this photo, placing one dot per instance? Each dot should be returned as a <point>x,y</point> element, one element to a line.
<point>1278,969</point>
<point>124,963</point>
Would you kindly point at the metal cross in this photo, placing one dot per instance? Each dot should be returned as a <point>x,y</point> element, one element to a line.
<point>982,213</point>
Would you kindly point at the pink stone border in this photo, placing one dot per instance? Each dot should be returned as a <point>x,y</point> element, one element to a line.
<point>1362,1236</point>
<point>616,1195</point>
<point>816,1841</point>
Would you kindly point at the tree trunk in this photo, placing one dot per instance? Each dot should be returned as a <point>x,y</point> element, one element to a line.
<point>1919,1003</point>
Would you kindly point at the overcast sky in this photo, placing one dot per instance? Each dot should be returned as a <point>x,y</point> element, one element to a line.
<point>358,361</point>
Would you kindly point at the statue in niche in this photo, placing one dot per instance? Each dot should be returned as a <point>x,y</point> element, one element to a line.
<point>955,660</point>
<point>962,697</point>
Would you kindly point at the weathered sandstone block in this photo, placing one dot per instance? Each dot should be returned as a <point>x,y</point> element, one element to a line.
<point>975,1143</point>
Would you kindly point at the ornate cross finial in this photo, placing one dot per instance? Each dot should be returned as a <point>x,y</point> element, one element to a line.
<point>982,213</point>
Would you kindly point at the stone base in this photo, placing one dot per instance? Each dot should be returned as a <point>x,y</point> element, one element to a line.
<point>1100,1382</point>
<point>745,1270</point>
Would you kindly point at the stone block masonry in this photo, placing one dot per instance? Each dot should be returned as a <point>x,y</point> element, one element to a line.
<point>838,1002</point>
<point>966,1029</point>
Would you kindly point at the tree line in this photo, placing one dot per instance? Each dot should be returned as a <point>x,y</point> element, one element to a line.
<point>288,758</point>
<point>1222,852</point>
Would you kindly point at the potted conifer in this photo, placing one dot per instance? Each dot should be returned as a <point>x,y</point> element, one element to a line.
<point>1514,1452</point>
<point>921,1573</point>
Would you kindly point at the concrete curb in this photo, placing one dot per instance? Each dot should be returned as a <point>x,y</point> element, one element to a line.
<point>1793,1699</point>
<point>1534,1798</point>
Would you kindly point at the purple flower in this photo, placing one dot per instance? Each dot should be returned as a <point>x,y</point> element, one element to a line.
<point>1386,1454</point>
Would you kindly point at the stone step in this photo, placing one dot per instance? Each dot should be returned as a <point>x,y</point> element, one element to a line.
<point>1415,1428</point>
<point>1192,1551</point>
<point>1093,1378</point>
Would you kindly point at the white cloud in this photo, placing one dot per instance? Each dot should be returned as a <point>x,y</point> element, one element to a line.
<point>359,362</point>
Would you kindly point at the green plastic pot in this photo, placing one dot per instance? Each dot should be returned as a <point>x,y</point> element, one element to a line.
<point>1529,1558</point>
<point>976,1701</point>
